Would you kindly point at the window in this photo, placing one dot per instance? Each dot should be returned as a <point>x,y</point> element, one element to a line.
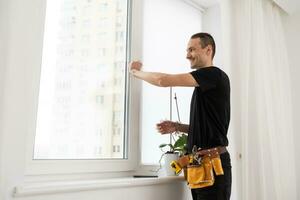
<point>82,104</point>
<point>116,148</point>
<point>100,99</point>
<point>165,51</point>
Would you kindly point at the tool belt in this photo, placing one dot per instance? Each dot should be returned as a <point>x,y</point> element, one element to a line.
<point>200,166</point>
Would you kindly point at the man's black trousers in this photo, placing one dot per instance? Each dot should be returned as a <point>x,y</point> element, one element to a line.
<point>221,189</point>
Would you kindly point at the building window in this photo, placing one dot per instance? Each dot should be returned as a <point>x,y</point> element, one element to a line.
<point>116,148</point>
<point>70,125</point>
<point>100,99</point>
<point>117,131</point>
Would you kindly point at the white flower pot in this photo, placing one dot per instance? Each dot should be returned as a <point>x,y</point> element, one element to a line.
<point>167,159</point>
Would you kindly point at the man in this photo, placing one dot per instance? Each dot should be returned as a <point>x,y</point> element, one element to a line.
<point>209,109</point>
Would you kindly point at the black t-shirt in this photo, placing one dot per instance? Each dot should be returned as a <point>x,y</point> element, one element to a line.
<point>210,109</point>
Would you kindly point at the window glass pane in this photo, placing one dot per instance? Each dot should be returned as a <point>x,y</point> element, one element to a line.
<point>165,51</point>
<point>81,109</point>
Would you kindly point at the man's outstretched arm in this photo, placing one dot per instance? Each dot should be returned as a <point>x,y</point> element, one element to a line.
<point>162,79</point>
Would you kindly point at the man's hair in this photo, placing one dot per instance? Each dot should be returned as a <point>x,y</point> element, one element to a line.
<point>206,39</point>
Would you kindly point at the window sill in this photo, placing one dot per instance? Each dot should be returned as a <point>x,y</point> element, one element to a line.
<point>86,185</point>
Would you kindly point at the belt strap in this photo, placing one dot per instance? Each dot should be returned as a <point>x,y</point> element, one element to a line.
<point>212,151</point>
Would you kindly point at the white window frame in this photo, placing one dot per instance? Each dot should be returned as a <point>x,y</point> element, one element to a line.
<point>51,167</point>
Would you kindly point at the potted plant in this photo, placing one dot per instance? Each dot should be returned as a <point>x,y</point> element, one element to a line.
<point>179,148</point>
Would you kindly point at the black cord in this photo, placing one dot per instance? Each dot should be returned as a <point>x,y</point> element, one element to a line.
<point>175,97</point>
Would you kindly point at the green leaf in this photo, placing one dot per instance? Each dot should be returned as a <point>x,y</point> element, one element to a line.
<point>164,145</point>
<point>181,141</point>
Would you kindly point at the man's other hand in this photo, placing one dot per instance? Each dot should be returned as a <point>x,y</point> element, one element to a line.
<point>166,127</point>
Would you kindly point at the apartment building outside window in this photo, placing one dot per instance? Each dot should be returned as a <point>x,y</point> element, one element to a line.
<point>82,92</point>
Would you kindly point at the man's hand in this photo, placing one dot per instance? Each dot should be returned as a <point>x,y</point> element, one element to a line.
<point>135,66</point>
<point>166,127</point>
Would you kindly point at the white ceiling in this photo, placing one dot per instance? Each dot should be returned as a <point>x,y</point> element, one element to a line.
<point>290,6</point>
<point>201,5</point>
<point>206,3</point>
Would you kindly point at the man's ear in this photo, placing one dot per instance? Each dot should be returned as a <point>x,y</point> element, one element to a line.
<point>209,50</point>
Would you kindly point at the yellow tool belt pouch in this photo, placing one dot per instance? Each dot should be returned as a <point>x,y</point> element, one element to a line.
<point>202,175</point>
<point>217,165</point>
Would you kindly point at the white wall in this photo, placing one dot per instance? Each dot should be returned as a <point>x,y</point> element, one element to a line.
<point>212,24</point>
<point>21,54</point>
<point>160,192</point>
<point>3,16</point>
<point>292,27</point>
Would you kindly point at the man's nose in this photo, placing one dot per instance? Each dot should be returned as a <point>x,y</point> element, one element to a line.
<point>188,56</point>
